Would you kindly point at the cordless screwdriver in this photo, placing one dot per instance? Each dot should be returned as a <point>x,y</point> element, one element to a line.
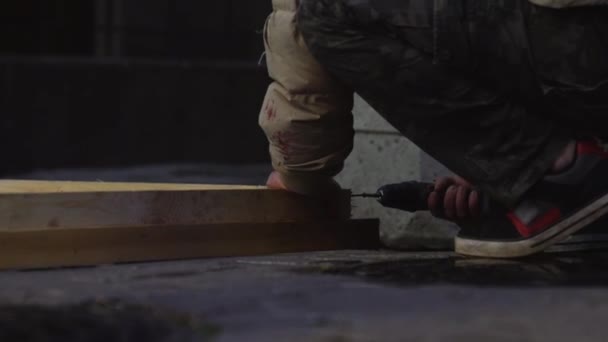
<point>408,196</point>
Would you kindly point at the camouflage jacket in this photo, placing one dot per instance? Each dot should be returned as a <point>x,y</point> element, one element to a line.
<point>306,114</point>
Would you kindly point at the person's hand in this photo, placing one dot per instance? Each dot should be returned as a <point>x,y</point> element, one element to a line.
<point>323,188</point>
<point>454,199</point>
<point>274,182</point>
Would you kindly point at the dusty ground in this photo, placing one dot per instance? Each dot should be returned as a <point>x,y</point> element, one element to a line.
<point>329,296</point>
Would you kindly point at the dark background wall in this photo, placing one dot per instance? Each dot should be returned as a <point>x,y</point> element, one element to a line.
<point>124,82</point>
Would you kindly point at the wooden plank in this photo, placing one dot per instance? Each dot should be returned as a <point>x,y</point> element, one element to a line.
<point>33,205</point>
<point>50,224</point>
<point>83,247</point>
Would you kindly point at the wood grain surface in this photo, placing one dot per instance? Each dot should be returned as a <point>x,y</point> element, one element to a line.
<point>33,205</point>
<point>84,247</point>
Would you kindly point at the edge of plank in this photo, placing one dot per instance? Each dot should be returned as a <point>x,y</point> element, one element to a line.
<point>11,187</point>
<point>88,247</point>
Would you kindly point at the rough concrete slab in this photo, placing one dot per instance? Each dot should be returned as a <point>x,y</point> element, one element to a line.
<point>380,159</point>
<point>431,169</point>
<point>367,119</point>
<point>383,156</point>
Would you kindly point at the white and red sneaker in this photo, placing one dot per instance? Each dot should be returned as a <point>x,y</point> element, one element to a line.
<point>559,206</point>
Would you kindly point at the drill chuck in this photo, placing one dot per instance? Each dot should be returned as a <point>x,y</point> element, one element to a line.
<point>407,196</point>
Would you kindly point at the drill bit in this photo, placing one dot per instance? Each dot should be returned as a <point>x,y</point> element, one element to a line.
<point>408,196</point>
<point>376,195</point>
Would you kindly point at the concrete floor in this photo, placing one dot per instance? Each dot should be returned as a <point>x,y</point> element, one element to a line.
<point>343,296</point>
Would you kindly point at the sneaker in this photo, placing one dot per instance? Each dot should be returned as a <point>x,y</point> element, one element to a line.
<point>551,212</point>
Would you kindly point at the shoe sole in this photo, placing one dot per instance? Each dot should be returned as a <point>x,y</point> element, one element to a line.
<point>521,248</point>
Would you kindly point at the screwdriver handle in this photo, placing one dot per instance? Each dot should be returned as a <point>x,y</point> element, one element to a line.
<point>408,196</point>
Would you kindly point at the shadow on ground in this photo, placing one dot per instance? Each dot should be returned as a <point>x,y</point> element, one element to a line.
<point>547,270</point>
<point>92,321</point>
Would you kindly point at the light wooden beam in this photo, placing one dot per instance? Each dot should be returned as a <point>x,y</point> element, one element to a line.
<point>83,247</point>
<point>35,205</point>
<point>58,224</point>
